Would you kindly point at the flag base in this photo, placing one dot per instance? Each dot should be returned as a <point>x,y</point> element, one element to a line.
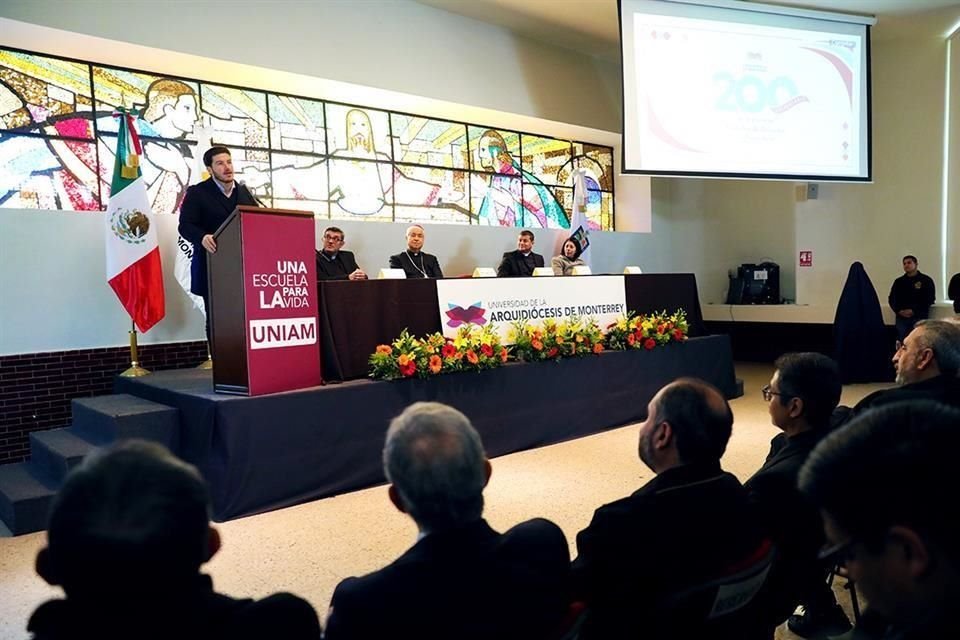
<point>135,371</point>
<point>206,364</point>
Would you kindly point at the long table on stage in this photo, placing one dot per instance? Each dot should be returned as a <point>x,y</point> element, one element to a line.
<point>356,316</point>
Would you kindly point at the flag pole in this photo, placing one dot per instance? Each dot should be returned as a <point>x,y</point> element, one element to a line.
<point>135,370</point>
<point>208,363</point>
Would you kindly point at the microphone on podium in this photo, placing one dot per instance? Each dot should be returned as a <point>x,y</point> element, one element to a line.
<point>251,194</point>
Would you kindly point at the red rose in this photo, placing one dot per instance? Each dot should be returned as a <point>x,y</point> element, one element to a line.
<point>409,369</point>
<point>631,339</point>
<point>552,353</point>
<point>448,350</point>
<point>650,343</point>
<point>677,335</point>
<point>486,349</point>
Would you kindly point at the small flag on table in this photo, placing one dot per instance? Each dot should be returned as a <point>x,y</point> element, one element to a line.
<point>133,253</point>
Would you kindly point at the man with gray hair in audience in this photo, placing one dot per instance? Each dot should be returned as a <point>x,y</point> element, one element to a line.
<point>926,362</point>
<point>461,579</point>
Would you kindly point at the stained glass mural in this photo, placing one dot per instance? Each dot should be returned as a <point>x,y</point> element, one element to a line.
<point>297,124</point>
<point>292,152</point>
<point>358,133</point>
<point>437,143</point>
<point>543,157</point>
<point>431,194</point>
<point>300,182</point>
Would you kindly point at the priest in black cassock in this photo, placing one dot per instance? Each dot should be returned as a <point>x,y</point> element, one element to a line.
<point>332,262</point>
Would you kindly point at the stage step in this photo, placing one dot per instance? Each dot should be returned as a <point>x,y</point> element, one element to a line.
<point>25,496</point>
<point>53,453</point>
<point>103,419</point>
<point>27,488</point>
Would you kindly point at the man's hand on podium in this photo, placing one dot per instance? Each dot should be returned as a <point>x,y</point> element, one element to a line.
<point>209,243</point>
<point>357,275</point>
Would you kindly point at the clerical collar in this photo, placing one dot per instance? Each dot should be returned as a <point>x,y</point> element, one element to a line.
<point>413,253</point>
<point>329,256</point>
<point>527,254</point>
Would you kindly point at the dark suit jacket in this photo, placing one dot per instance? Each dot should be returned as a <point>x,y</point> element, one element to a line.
<point>513,264</point>
<point>339,268</point>
<point>184,611</point>
<point>203,210</point>
<point>686,525</point>
<point>943,388</point>
<point>793,523</point>
<point>411,266</point>
<point>467,583</point>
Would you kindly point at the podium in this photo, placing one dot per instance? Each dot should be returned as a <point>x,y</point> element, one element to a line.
<point>264,330</point>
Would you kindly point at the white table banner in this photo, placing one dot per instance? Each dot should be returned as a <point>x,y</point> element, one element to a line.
<point>503,301</point>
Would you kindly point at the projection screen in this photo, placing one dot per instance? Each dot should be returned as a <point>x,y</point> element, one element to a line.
<point>726,89</point>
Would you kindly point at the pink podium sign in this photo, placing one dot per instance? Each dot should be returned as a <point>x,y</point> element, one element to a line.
<point>280,282</point>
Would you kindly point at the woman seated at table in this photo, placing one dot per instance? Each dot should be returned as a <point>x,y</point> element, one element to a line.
<point>569,258</point>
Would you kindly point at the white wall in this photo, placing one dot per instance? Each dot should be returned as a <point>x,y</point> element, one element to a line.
<point>62,300</point>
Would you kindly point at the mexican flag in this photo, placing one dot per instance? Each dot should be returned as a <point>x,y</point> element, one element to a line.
<point>133,253</point>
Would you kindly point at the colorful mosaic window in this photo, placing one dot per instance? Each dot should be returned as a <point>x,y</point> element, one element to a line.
<point>343,162</point>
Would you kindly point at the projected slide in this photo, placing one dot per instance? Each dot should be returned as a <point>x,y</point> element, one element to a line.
<point>724,97</point>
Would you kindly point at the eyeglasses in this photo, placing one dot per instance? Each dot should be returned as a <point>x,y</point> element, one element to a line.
<point>837,554</point>
<point>768,393</point>
<point>334,238</point>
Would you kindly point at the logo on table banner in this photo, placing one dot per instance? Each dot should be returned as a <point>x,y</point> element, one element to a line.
<point>283,332</point>
<point>286,288</point>
<point>471,315</point>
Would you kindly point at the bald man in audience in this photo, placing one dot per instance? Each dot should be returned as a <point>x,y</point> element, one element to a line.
<point>687,525</point>
<point>461,580</point>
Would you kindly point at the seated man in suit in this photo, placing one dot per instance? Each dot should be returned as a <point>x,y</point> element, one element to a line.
<point>205,207</point>
<point>333,263</point>
<point>886,486</point>
<point>688,524</point>
<point>461,579</point>
<point>127,535</point>
<point>926,363</point>
<point>802,394</point>
<point>523,260</point>
<point>414,261</point>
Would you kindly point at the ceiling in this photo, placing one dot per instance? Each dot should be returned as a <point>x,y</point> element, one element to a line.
<point>591,26</point>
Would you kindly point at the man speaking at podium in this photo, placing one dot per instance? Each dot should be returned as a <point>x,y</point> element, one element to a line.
<point>205,207</point>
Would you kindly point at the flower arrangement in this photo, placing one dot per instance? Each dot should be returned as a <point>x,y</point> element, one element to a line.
<point>477,348</point>
<point>554,340</point>
<point>473,349</point>
<point>647,332</point>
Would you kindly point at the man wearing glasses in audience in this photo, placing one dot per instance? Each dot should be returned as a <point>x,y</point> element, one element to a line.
<point>332,262</point>
<point>884,485</point>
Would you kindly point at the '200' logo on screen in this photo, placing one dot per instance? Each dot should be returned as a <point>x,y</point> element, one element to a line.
<point>752,94</point>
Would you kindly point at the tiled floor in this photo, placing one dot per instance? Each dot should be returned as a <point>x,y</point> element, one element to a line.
<point>308,549</point>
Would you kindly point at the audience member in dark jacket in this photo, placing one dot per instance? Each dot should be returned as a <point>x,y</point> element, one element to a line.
<point>926,363</point>
<point>802,394</point>
<point>127,535</point>
<point>685,526</point>
<point>461,579</point>
<point>885,484</point>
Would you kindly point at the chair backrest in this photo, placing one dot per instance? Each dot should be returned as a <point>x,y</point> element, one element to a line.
<point>717,598</point>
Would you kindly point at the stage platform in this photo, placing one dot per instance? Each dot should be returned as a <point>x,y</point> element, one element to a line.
<point>278,450</point>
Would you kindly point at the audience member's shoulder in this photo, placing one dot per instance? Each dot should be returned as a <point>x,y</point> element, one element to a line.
<point>537,530</point>
<point>281,615</point>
